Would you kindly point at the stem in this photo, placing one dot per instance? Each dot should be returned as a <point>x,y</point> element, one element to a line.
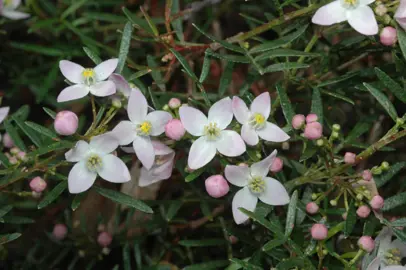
<point>360,253</point>
<point>308,48</point>
<point>93,108</point>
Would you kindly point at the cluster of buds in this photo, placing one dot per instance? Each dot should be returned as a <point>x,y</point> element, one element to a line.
<point>313,130</point>
<point>16,156</point>
<point>174,129</point>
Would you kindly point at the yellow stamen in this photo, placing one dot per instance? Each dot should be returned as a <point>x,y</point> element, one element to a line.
<point>88,72</point>
<point>144,128</point>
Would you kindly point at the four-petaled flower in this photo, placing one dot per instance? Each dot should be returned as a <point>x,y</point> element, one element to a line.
<point>212,133</point>
<point>8,10</point>
<point>255,185</point>
<point>254,120</point>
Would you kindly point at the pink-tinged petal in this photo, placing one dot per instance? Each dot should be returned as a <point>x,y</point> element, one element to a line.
<point>401,11</point>
<point>114,170</point>
<point>249,135</point>
<point>330,14</point>
<point>14,15</point>
<point>365,2</point>
<point>375,264</point>
<point>230,144</point>
<point>122,85</point>
<point>362,19</point>
<point>144,150</point>
<point>125,132</point>
<point>105,69</point>
<point>261,168</point>
<point>275,193</point>
<point>14,4</point>
<point>221,113</point>
<point>193,120</point>
<point>3,113</point>
<point>272,133</point>
<point>137,107</point>
<point>262,104</point>
<point>73,92</point>
<point>77,153</point>
<point>72,71</point>
<point>80,178</point>
<point>240,110</point>
<point>237,175</point>
<point>158,120</point>
<point>201,153</point>
<point>243,199</point>
<point>161,148</point>
<point>156,174</point>
<point>103,89</point>
<point>104,144</point>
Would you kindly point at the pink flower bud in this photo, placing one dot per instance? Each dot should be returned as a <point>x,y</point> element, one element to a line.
<point>60,231</point>
<point>216,186</point>
<point>7,141</point>
<point>366,243</point>
<point>344,216</point>
<point>277,165</point>
<point>388,36</point>
<point>174,103</point>
<point>363,211</point>
<point>66,123</point>
<point>14,150</point>
<point>349,158</point>
<point>38,184</point>
<point>13,160</point>
<point>377,202</point>
<point>319,231</point>
<point>367,175</point>
<point>298,121</point>
<point>174,129</point>
<point>104,239</point>
<point>310,118</point>
<point>312,208</point>
<point>313,131</point>
<point>22,156</point>
<point>233,240</point>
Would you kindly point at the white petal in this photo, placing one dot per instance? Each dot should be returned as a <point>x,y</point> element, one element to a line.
<point>366,2</point>
<point>273,133</point>
<point>401,11</point>
<point>230,144</point>
<point>158,120</point>
<point>261,168</point>
<point>394,267</point>
<point>400,246</point>
<point>105,69</point>
<point>3,113</point>
<point>77,153</point>
<point>157,174</point>
<point>262,104</point>
<point>362,19</point>
<point>240,110</point>
<point>121,84</point>
<point>237,175</point>
<point>201,153</point>
<point>375,264</point>
<point>125,132</point>
<point>114,170</point>
<point>103,89</point>
<point>275,193</point>
<point>137,107</point>
<point>104,144</point>
<point>330,14</point>
<point>71,71</point>
<point>243,199</point>
<point>14,15</point>
<point>221,113</point>
<point>193,120</point>
<point>14,4</point>
<point>80,178</point>
<point>384,240</point>
<point>144,150</point>
<point>249,135</point>
<point>161,148</point>
<point>73,92</point>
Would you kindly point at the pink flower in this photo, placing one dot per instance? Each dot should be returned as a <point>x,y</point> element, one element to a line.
<point>350,158</point>
<point>174,103</point>
<point>38,184</point>
<point>277,165</point>
<point>377,202</point>
<point>366,243</point>
<point>312,208</point>
<point>313,131</point>
<point>216,186</point>
<point>367,175</point>
<point>400,14</point>
<point>298,121</point>
<point>60,231</point>
<point>66,123</point>
<point>310,118</point>
<point>7,141</point>
<point>319,231</point>
<point>104,239</point>
<point>388,36</point>
<point>363,211</point>
<point>174,129</point>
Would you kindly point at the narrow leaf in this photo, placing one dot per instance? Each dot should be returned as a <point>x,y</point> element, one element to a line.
<point>14,135</point>
<point>5,238</point>
<point>394,201</point>
<point>53,194</point>
<point>284,66</point>
<point>49,112</point>
<point>285,104</point>
<point>394,169</point>
<point>203,242</point>
<point>205,68</point>
<point>92,55</point>
<point>42,130</point>
<point>392,86</point>
<point>124,46</point>
<point>173,209</point>
<point>290,218</point>
<point>351,220</point>
<point>317,105</point>
<point>226,78</point>
<point>383,100</point>
<point>212,265</point>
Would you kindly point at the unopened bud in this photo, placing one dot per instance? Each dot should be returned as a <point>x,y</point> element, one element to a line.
<point>336,127</point>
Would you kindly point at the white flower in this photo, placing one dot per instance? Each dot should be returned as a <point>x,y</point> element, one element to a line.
<point>8,10</point>
<point>254,120</point>
<point>3,113</point>
<point>87,80</point>
<point>255,185</point>
<point>212,133</point>
<point>141,126</point>
<point>357,12</point>
<point>400,14</point>
<point>122,86</point>
<point>94,159</point>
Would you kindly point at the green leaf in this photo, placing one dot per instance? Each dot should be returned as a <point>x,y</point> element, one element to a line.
<point>203,242</point>
<point>284,66</point>
<point>337,95</point>
<point>92,55</point>
<point>246,265</point>
<point>273,244</point>
<point>284,53</point>
<point>394,201</point>
<point>5,238</point>
<point>205,68</point>
<point>72,8</point>
<point>290,218</point>
<point>394,169</point>
<point>208,265</point>
<point>184,64</point>
<point>77,200</point>
<point>137,21</point>
<point>14,135</point>
<point>28,131</point>
<point>124,46</point>
<point>139,74</point>
<point>401,235</point>
<point>285,104</point>
<point>383,100</point>
<point>267,224</point>
<point>126,257</point>
<point>40,49</point>
<point>49,82</point>
<point>151,24</point>
<point>226,78</point>
<point>402,40</point>
<point>155,73</point>
<point>42,130</point>
<point>337,79</point>
<point>16,220</point>
<point>351,219</point>
<point>228,57</point>
<point>360,128</point>
<point>392,86</point>
<point>173,209</point>
<point>401,222</point>
<point>23,112</point>
<point>53,194</point>
<point>52,147</point>
<point>5,209</point>
<point>290,263</point>
<point>317,104</point>
<point>49,112</point>
<point>193,175</point>
<point>124,199</point>
<point>4,160</point>
<point>177,24</point>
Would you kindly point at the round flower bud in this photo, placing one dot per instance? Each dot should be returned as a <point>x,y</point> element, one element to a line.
<point>216,186</point>
<point>333,203</point>
<point>277,165</point>
<point>310,118</point>
<point>320,142</point>
<point>60,231</point>
<point>14,150</point>
<point>388,36</point>
<point>7,141</point>
<point>233,240</point>
<point>335,135</point>
<point>22,156</point>
<point>38,184</point>
<point>349,158</point>
<point>313,131</point>
<point>298,121</point>
<point>344,216</point>
<point>104,239</point>
<point>363,211</point>
<point>336,127</point>
<point>381,10</point>
<point>312,208</point>
<point>12,160</point>
<point>174,103</point>
<point>66,123</point>
<point>385,166</point>
<point>319,231</point>
<point>116,102</point>
<point>377,202</point>
<point>367,175</point>
<point>366,243</point>
<point>174,129</point>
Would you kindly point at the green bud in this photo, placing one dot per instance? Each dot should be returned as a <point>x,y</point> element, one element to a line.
<point>376,170</point>
<point>335,135</point>
<point>333,202</point>
<point>246,45</point>
<point>165,107</point>
<point>336,127</point>
<point>400,121</point>
<point>314,196</point>
<point>325,252</point>
<point>320,142</point>
<point>385,166</point>
<point>116,103</point>
<point>360,197</point>
<point>258,155</point>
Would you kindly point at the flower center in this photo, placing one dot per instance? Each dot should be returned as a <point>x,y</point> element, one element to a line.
<point>212,131</point>
<point>256,185</point>
<point>392,257</point>
<point>89,76</point>
<point>351,4</point>
<point>144,129</point>
<point>94,162</point>
<point>257,121</point>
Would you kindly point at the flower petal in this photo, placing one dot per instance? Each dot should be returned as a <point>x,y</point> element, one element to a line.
<point>237,175</point>
<point>157,174</point>
<point>80,178</point>
<point>221,113</point>
<point>275,193</point>
<point>394,267</point>
<point>201,153</point>
<point>261,168</point>
<point>366,2</point>
<point>137,107</point>
<point>122,85</point>
<point>362,19</point>
<point>161,148</point>
<point>400,246</point>
<point>330,14</point>
<point>158,120</point>
<point>193,120</point>
<point>105,69</point>
<point>240,110</point>
<point>73,92</point>
<point>3,113</point>
<point>375,264</point>
<point>77,153</point>
<point>262,104</point>
<point>384,240</point>
<point>273,133</point>
<point>125,132</point>
<point>230,144</point>
<point>14,15</point>
<point>249,135</point>
<point>103,89</point>
<point>104,144</point>
<point>243,199</point>
<point>114,170</point>
<point>14,4</point>
<point>72,71</point>
<point>144,150</point>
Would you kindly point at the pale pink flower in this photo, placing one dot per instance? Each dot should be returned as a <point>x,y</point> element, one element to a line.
<point>367,175</point>
<point>319,231</point>
<point>312,208</point>
<point>298,121</point>
<point>38,184</point>
<point>377,202</point>
<point>388,36</point>
<point>277,165</point>
<point>366,243</point>
<point>350,158</point>
<point>400,14</point>
<point>216,186</point>
<point>363,211</point>
<point>313,131</point>
<point>3,113</point>
<point>8,10</point>
<point>174,103</point>
<point>122,86</point>
<point>66,123</point>
<point>174,129</point>
<point>310,118</point>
